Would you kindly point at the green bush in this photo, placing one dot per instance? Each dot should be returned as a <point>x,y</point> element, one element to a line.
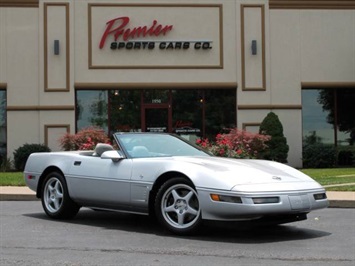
<point>346,158</point>
<point>319,155</point>
<point>277,145</point>
<point>5,164</point>
<point>22,153</point>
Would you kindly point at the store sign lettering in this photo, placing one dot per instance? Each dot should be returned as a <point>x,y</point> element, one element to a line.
<point>161,45</point>
<point>185,127</point>
<point>123,35</point>
<point>180,123</point>
<point>117,28</point>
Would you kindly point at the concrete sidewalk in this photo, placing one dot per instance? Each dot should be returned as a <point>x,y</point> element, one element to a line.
<point>336,199</point>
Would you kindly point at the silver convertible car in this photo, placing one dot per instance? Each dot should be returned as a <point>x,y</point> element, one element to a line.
<point>172,179</point>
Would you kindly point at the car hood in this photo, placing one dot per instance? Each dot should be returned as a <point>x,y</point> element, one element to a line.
<point>240,174</point>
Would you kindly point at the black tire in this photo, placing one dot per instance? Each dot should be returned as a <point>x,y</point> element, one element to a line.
<point>55,198</point>
<point>177,206</point>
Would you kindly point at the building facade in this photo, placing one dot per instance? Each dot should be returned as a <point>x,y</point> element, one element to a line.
<point>189,67</point>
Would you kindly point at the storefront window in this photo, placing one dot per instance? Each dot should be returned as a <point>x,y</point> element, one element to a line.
<point>187,113</point>
<point>328,119</point>
<point>3,143</point>
<point>190,113</point>
<point>345,103</point>
<point>220,111</point>
<point>125,110</point>
<point>156,96</point>
<point>92,109</point>
<point>315,125</point>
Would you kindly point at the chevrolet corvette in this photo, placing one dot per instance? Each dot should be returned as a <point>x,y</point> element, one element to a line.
<point>175,181</point>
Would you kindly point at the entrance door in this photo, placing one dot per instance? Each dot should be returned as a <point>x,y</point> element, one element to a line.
<point>156,120</point>
<point>156,111</point>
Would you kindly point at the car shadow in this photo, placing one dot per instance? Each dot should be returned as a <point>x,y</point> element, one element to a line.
<point>233,232</point>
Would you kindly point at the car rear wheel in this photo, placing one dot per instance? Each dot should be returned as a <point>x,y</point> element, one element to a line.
<point>55,198</point>
<point>177,206</point>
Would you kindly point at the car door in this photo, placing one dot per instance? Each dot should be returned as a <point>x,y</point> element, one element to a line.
<point>100,182</point>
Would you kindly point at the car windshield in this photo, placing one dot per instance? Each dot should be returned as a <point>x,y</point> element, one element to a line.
<point>143,145</point>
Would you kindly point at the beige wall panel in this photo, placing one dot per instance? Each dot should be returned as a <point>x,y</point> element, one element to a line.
<point>253,29</point>
<point>55,28</point>
<point>57,98</point>
<point>20,44</point>
<point>327,43</point>
<point>227,74</point>
<point>291,121</point>
<point>253,97</point>
<point>35,123</point>
<point>22,128</point>
<point>251,127</point>
<point>56,118</point>
<point>3,61</point>
<point>285,57</point>
<point>53,133</point>
<point>257,96</point>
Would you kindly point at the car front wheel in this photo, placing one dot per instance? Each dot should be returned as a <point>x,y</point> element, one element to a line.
<point>177,206</point>
<point>55,198</point>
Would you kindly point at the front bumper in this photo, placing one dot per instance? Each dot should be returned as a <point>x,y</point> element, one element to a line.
<point>249,208</point>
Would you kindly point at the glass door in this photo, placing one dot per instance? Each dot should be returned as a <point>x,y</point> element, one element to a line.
<point>156,120</point>
<point>156,111</point>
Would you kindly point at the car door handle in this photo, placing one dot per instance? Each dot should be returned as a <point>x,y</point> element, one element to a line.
<point>77,163</point>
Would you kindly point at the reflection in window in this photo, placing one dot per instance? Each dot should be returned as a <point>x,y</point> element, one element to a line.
<point>328,118</point>
<point>187,112</point>
<point>195,113</point>
<point>315,118</point>
<point>220,111</point>
<point>3,144</point>
<point>345,103</point>
<point>125,110</point>
<point>91,109</point>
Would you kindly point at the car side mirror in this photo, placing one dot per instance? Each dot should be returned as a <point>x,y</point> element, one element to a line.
<point>113,155</point>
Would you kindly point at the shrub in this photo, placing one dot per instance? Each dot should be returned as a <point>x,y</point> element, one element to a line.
<point>5,164</point>
<point>346,158</point>
<point>277,145</point>
<point>236,144</point>
<point>22,153</point>
<point>319,155</point>
<point>85,139</point>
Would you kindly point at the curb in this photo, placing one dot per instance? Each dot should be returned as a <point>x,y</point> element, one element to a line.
<point>333,203</point>
<point>341,204</point>
<point>18,197</point>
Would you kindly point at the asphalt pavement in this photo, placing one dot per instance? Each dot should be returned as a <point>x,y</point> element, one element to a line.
<point>337,199</point>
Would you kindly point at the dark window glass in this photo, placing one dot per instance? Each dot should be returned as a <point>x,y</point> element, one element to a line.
<point>156,96</point>
<point>328,118</point>
<point>3,143</point>
<point>187,113</point>
<point>125,110</point>
<point>156,120</point>
<point>91,109</point>
<point>345,103</point>
<point>195,113</point>
<point>220,111</point>
<point>315,117</point>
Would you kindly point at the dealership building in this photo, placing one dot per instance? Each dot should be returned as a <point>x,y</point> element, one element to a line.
<point>191,67</point>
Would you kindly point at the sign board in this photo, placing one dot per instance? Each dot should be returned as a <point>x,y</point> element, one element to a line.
<point>155,36</point>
